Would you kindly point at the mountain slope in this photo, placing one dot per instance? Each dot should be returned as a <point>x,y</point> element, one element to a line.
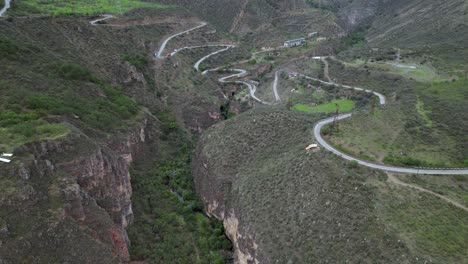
<point>282,204</point>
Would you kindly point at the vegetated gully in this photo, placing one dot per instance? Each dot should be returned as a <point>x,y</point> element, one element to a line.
<point>318,127</point>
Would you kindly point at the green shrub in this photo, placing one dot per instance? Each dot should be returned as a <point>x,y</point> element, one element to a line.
<point>43,102</point>
<point>139,61</point>
<point>353,164</point>
<point>8,49</point>
<point>9,118</point>
<point>98,112</point>
<point>74,72</point>
<point>26,129</point>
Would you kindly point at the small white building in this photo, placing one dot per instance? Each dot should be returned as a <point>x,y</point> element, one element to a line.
<point>321,39</point>
<point>312,34</point>
<point>294,42</point>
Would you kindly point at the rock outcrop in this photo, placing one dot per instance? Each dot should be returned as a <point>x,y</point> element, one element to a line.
<point>72,181</point>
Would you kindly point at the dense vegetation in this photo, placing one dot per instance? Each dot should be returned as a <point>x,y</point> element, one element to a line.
<point>357,38</point>
<point>103,112</point>
<point>170,226</point>
<point>74,92</point>
<point>87,7</point>
<point>137,60</point>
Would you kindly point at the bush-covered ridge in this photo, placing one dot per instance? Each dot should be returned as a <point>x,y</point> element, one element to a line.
<point>85,7</point>
<point>25,109</point>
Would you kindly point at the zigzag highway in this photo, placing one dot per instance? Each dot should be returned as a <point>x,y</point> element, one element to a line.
<point>104,17</point>
<point>163,45</point>
<point>318,127</point>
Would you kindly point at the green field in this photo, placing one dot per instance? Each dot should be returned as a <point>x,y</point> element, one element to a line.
<point>343,105</point>
<point>430,226</point>
<point>86,7</point>
<point>29,131</point>
<point>422,73</point>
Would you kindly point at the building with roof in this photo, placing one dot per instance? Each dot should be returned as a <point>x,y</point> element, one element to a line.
<point>294,42</point>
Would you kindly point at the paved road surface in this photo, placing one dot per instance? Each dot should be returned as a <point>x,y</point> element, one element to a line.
<point>197,47</point>
<point>318,127</point>
<point>325,69</point>
<point>252,87</point>
<point>163,45</point>
<point>275,86</point>
<point>5,7</point>
<point>382,99</point>
<point>197,64</point>
<point>104,17</point>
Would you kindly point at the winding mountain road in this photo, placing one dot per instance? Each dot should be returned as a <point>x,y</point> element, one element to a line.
<point>241,73</point>
<point>5,7</point>
<point>197,64</point>
<point>199,47</point>
<point>103,17</point>
<point>252,87</point>
<point>275,86</point>
<point>317,133</point>
<point>318,127</point>
<point>382,100</point>
<point>163,45</point>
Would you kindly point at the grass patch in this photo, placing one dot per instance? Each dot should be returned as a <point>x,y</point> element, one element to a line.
<point>343,105</point>
<point>349,152</point>
<point>422,127</point>
<point>424,113</point>
<point>422,73</point>
<point>453,187</point>
<point>8,49</point>
<point>84,7</point>
<point>429,226</point>
<point>18,129</point>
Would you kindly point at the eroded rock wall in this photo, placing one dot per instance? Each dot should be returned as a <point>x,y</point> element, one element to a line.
<point>72,181</point>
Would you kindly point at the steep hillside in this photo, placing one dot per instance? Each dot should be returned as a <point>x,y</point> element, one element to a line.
<point>420,23</point>
<point>263,22</point>
<point>282,204</point>
<point>409,24</point>
<point>80,104</point>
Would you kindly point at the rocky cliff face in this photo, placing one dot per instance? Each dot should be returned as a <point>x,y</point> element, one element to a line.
<point>74,182</point>
<point>281,204</point>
